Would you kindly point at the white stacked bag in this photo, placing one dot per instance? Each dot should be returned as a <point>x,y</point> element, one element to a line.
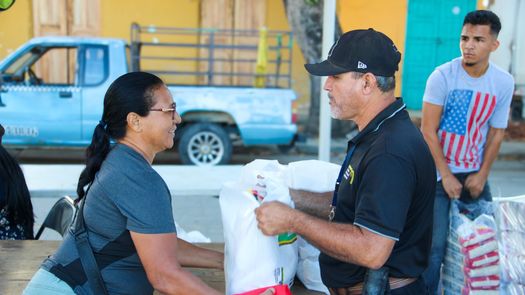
<point>472,265</point>
<point>510,216</point>
<point>253,261</point>
<point>314,176</point>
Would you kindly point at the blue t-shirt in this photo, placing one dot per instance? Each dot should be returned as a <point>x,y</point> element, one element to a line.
<point>127,195</point>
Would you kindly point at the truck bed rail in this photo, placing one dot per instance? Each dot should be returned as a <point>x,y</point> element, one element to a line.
<point>213,57</point>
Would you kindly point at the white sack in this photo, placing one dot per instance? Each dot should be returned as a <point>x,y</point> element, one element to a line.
<point>315,176</point>
<point>253,260</point>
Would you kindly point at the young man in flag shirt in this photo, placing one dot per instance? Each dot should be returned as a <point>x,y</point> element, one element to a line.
<point>465,111</point>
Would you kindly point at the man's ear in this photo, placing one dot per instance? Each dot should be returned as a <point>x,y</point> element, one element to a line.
<point>495,45</point>
<point>133,121</point>
<point>369,81</point>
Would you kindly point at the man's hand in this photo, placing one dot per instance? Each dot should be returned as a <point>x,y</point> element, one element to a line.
<point>274,218</point>
<point>452,186</point>
<point>475,183</point>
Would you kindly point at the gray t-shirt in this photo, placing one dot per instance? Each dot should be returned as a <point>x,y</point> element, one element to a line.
<point>127,195</point>
<point>470,107</point>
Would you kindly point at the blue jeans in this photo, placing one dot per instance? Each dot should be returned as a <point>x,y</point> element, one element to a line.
<point>46,283</point>
<point>440,229</point>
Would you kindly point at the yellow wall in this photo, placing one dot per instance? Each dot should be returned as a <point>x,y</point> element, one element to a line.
<point>16,26</point>
<point>388,17</point>
<point>117,15</point>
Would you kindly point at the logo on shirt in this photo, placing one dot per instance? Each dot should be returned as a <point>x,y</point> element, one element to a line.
<point>349,174</point>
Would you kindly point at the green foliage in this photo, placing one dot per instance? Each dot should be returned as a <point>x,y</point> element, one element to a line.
<point>5,4</point>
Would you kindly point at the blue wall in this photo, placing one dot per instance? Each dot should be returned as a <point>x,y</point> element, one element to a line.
<point>433,31</point>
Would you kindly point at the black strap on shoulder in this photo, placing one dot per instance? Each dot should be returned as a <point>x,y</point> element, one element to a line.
<point>87,258</point>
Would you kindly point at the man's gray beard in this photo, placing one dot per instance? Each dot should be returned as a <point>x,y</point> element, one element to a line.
<point>470,64</point>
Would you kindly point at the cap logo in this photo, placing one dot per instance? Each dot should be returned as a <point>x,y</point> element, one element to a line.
<point>361,65</point>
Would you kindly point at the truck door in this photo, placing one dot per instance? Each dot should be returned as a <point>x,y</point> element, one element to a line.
<point>41,97</point>
<point>94,80</point>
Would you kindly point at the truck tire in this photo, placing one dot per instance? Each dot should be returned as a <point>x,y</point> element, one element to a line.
<point>205,144</point>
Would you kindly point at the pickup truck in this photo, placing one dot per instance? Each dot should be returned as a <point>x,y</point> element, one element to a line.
<point>52,88</point>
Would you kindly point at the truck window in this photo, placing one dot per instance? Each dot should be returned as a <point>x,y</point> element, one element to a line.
<point>96,65</point>
<point>57,66</point>
<point>44,65</point>
<point>18,64</point>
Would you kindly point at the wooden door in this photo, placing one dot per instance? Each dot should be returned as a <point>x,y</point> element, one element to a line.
<point>63,18</point>
<point>248,15</point>
<point>83,17</point>
<point>232,15</point>
<point>216,14</point>
<point>49,18</point>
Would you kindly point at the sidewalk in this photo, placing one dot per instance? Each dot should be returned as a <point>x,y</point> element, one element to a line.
<point>56,180</point>
<point>512,150</point>
<point>50,181</point>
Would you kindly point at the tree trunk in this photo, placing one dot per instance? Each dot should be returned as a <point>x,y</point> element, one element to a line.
<point>306,20</point>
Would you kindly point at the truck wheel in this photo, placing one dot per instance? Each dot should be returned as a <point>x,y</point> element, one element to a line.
<point>205,144</point>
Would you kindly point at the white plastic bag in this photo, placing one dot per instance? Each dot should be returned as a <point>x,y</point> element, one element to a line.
<point>193,236</point>
<point>315,176</point>
<point>511,227</point>
<point>312,175</point>
<point>471,263</point>
<point>253,260</point>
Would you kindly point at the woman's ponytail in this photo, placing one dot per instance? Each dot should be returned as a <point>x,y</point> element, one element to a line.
<point>95,155</point>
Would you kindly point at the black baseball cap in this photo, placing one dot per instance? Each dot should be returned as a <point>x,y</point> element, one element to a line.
<point>364,51</point>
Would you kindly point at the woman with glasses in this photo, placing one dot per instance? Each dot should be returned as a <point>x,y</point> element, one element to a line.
<point>127,206</point>
<point>16,210</point>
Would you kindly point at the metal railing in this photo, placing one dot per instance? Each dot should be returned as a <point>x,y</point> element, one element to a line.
<point>213,57</point>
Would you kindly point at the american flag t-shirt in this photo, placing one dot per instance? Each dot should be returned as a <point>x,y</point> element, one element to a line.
<point>464,125</point>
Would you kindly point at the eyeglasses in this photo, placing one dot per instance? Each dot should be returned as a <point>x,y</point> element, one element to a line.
<point>173,110</point>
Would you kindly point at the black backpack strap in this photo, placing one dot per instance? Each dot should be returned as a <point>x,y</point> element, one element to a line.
<point>87,258</point>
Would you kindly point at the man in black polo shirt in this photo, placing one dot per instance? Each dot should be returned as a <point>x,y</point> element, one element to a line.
<point>381,212</point>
